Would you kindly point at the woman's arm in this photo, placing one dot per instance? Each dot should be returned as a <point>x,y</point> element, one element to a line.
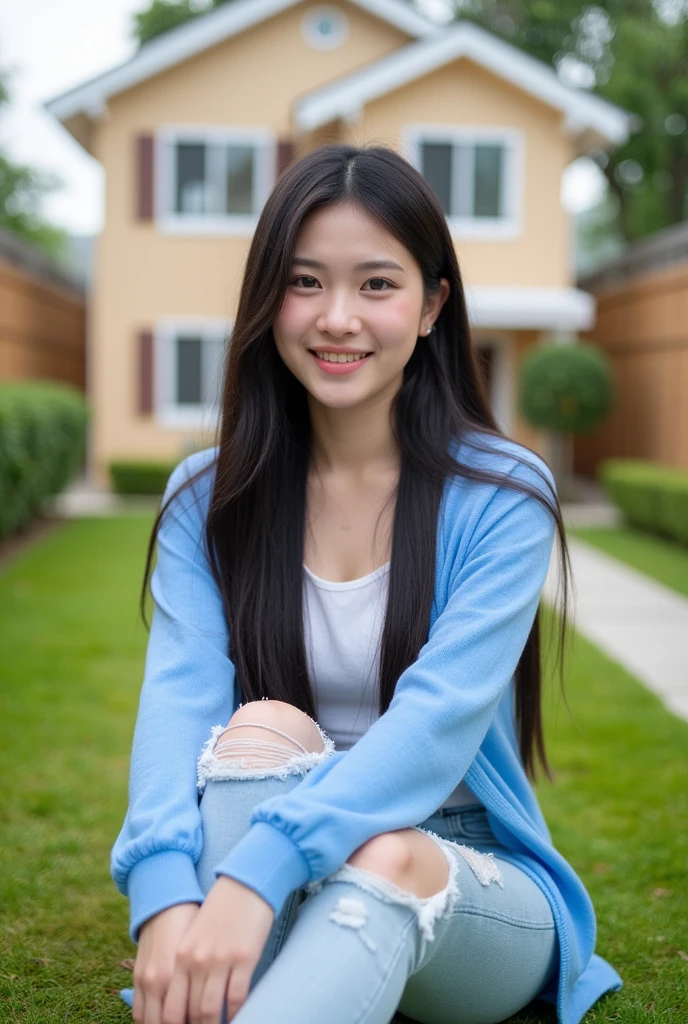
<point>411,758</point>
<point>187,688</point>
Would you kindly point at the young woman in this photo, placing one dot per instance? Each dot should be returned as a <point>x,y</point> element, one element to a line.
<point>331,814</point>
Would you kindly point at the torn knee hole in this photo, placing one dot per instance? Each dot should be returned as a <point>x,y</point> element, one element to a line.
<point>252,752</point>
<point>244,757</point>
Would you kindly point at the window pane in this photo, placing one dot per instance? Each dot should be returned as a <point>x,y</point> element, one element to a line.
<point>190,177</point>
<point>464,155</point>
<point>436,168</point>
<point>188,382</point>
<point>489,160</point>
<point>213,366</point>
<point>240,179</point>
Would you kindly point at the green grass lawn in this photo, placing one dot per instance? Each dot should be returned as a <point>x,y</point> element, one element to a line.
<point>661,559</point>
<point>73,653</point>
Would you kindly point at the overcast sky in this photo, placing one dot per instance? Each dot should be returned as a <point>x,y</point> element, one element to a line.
<point>50,46</point>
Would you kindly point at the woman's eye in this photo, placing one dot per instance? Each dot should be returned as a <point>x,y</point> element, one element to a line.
<point>304,277</point>
<point>378,280</point>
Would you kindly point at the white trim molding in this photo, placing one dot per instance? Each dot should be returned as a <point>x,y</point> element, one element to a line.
<point>168,221</point>
<point>509,225</point>
<point>550,309</point>
<point>413,61</point>
<point>168,413</point>
<point>200,34</point>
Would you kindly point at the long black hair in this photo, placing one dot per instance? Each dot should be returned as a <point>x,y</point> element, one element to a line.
<point>254,534</point>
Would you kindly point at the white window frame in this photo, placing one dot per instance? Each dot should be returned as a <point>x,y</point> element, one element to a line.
<point>510,225</point>
<point>168,413</point>
<point>169,222</point>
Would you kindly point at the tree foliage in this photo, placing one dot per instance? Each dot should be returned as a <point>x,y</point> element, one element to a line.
<point>163,15</point>
<point>21,191</point>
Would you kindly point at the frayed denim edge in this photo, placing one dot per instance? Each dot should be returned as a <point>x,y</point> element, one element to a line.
<point>210,767</point>
<point>427,908</point>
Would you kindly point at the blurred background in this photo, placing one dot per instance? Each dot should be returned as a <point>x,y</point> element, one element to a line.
<point>139,140</point>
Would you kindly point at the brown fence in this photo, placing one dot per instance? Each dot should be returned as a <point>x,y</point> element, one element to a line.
<point>42,318</point>
<point>642,324</point>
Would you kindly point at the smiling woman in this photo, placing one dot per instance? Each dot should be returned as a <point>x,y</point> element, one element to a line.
<point>361,521</point>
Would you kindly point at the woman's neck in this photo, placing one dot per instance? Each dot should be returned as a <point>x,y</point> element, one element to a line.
<point>357,445</point>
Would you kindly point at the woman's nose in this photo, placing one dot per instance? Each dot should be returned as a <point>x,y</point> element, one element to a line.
<point>339,316</point>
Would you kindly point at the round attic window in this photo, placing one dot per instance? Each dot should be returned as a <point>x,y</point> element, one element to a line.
<point>325,28</point>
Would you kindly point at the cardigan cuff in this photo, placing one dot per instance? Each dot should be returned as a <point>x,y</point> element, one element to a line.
<point>267,861</point>
<point>159,881</point>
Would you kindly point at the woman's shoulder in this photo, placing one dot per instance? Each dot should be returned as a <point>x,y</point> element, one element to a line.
<point>509,460</point>
<point>190,485</point>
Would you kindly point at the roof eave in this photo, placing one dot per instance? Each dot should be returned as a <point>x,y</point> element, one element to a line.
<point>198,35</point>
<point>582,109</point>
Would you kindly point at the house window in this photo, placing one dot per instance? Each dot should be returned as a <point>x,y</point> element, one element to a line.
<point>213,180</point>
<point>190,362</point>
<point>467,177</point>
<point>476,174</point>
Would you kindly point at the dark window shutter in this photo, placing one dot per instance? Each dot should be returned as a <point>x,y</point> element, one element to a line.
<point>144,360</point>
<point>144,177</point>
<point>285,154</point>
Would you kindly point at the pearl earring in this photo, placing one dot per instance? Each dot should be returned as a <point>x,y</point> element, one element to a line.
<point>429,329</point>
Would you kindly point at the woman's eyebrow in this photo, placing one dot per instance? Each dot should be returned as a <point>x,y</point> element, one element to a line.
<point>368,265</point>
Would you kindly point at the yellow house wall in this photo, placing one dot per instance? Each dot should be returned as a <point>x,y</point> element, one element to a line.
<point>142,275</point>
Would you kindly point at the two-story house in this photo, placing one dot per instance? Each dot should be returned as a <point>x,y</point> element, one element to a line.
<point>193,130</point>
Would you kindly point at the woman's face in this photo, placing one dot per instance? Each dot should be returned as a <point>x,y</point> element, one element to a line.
<point>334,303</point>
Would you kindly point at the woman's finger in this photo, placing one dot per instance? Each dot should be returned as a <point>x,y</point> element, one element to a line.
<point>152,1007</point>
<point>197,981</point>
<point>138,1007</point>
<point>213,996</point>
<point>237,990</point>
<point>175,1005</point>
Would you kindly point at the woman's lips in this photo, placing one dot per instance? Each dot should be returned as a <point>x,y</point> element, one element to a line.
<point>339,368</point>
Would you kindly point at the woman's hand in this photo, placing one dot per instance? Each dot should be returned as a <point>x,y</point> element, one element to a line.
<point>159,938</point>
<point>216,958</point>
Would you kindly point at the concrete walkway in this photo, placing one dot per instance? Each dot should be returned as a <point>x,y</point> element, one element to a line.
<point>639,623</point>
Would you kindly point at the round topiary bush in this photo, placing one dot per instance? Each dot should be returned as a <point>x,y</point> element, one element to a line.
<point>566,388</point>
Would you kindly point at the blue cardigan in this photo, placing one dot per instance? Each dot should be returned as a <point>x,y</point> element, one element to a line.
<point>451,718</point>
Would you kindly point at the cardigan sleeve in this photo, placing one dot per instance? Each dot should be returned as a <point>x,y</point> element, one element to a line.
<point>187,688</point>
<point>410,759</point>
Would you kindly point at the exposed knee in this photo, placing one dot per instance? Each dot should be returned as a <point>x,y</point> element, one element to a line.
<point>282,731</point>
<point>406,857</point>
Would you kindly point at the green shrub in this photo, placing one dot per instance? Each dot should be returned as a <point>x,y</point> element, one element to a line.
<point>137,477</point>
<point>42,444</point>
<point>651,497</point>
<point>566,388</point>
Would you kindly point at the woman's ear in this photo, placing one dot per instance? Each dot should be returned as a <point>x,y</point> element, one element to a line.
<point>433,306</point>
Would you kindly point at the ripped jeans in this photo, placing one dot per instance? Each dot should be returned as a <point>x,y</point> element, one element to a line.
<point>355,948</point>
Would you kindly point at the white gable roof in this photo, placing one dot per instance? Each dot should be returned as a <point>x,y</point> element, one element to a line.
<point>346,97</point>
<point>201,33</point>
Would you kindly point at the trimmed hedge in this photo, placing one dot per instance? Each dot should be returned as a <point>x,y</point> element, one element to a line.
<point>651,497</point>
<point>42,444</point>
<point>137,477</point>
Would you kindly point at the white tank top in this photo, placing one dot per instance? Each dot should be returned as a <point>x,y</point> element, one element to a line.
<point>342,629</point>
